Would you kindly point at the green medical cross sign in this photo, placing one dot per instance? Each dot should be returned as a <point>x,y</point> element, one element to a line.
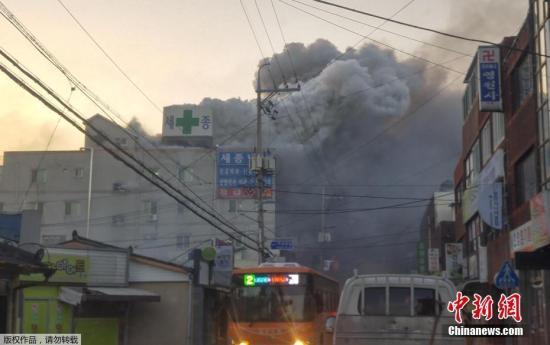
<point>187,122</point>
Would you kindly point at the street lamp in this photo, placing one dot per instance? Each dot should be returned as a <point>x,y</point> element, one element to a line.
<point>91,149</point>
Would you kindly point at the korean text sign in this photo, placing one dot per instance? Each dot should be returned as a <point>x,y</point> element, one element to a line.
<point>235,180</point>
<point>489,78</point>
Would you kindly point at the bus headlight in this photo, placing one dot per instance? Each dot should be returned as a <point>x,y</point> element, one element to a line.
<point>244,343</point>
<point>299,342</point>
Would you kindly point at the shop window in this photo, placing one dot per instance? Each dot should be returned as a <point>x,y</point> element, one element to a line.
<point>526,179</point>
<point>522,81</point>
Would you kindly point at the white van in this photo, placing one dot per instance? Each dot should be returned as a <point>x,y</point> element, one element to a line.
<point>377,309</point>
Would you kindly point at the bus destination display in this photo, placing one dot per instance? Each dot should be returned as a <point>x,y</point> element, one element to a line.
<point>271,279</point>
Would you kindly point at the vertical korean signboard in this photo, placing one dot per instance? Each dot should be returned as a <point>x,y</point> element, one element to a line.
<point>488,69</point>
<point>433,260</point>
<point>234,178</point>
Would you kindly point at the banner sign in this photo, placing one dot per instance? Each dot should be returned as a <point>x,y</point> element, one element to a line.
<point>68,269</point>
<point>490,204</point>
<point>490,92</point>
<point>223,263</point>
<point>486,196</point>
<point>535,233</point>
<point>453,260</point>
<point>539,207</point>
<point>187,121</point>
<point>235,180</point>
<point>521,239</point>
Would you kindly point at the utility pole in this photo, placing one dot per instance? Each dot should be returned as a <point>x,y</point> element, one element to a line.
<point>323,234</point>
<point>258,161</point>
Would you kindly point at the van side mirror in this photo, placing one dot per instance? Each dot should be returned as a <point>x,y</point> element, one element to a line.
<point>329,324</point>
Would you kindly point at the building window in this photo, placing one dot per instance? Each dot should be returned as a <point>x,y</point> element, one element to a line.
<point>182,241</point>
<point>39,176</point>
<point>486,142</point>
<point>34,205</point>
<point>119,187</point>
<point>526,179</point>
<point>497,122</point>
<point>185,174</point>
<point>150,208</point>
<point>232,206</point>
<point>473,165</point>
<point>122,142</point>
<point>470,93</point>
<point>522,81</point>
<point>119,220</point>
<point>79,172</point>
<point>72,208</point>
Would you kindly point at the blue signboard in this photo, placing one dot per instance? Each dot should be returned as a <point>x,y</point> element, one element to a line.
<point>282,244</point>
<point>490,95</point>
<point>235,180</point>
<point>10,226</point>
<point>506,278</point>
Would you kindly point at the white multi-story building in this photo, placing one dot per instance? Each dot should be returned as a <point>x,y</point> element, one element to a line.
<point>125,209</point>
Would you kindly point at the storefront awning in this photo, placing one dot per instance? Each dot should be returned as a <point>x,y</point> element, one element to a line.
<point>75,295</point>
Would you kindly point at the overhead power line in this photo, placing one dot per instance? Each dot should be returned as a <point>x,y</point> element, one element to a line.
<point>117,66</point>
<point>39,165</point>
<point>165,188</point>
<point>373,40</point>
<point>379,28</point>
<point>103,106</point>
<point>423,28</point>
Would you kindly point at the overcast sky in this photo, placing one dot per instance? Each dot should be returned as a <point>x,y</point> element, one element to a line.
<point>180,51</point>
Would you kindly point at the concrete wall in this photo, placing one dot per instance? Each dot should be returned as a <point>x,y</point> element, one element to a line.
<point>163,322</point>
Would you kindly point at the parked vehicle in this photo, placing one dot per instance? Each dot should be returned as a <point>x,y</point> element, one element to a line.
<point>395,309</point>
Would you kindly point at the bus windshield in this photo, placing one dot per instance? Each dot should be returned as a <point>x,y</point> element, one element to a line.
<point>272,304</point>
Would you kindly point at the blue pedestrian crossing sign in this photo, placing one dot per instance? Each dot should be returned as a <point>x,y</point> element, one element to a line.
<point>506,278</point>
